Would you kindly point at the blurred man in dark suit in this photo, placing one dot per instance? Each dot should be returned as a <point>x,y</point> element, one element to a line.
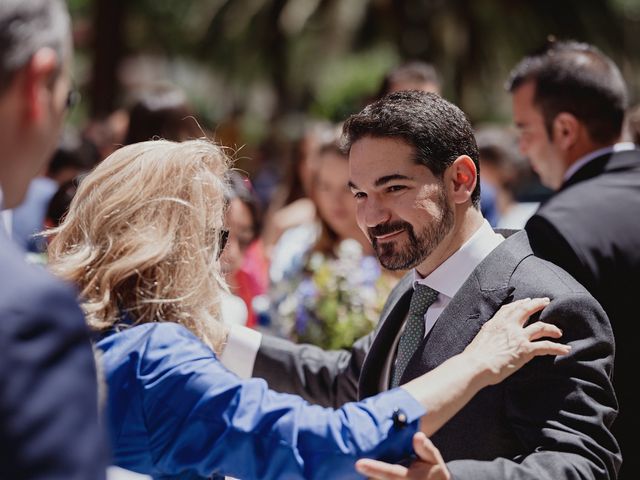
<point>568,103</point>
<point>48,395</point>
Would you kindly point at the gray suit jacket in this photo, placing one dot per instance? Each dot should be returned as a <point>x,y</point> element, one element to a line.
<point>550,420</point>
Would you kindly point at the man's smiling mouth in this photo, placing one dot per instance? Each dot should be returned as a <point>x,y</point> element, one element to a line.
<point>389,235</point>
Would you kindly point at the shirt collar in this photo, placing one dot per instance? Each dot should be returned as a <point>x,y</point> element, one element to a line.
<point>454,271</point>
<point>581,162</point>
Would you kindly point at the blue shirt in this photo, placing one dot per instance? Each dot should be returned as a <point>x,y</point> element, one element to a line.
<point>173,409</point>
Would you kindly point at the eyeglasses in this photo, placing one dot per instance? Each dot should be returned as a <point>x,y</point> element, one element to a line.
<point>222,241</point>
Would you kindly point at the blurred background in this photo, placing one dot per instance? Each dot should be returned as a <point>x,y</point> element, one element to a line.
<point>271,80</point>
<point>252,69</point>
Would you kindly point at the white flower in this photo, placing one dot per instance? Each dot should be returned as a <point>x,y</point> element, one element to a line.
<point>349,249</point>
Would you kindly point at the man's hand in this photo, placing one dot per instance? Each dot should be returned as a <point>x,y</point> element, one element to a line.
<point>429,466</point>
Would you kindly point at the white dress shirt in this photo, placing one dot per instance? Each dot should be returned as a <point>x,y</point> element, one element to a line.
<point>581,162</point>
<point>447,280</point>
<point>243,343</point>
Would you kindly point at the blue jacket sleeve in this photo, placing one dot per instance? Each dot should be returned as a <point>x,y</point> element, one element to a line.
<point>203,419</point>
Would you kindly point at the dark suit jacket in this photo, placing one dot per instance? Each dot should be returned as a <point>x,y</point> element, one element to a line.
<point>48,398</point>
<point>591,228</point>
<point>549,420</point>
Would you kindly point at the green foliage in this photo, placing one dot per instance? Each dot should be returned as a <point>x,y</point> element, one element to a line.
<point>327,56</point>
<point>348,81</point>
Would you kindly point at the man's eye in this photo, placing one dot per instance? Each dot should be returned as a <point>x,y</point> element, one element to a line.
<point>359,195</point>
<point>395,188</point>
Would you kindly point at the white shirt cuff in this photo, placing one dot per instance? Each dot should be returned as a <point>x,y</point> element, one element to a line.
<point>239,355</point>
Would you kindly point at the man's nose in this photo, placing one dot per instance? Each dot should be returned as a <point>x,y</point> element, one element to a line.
<point>375,213</point>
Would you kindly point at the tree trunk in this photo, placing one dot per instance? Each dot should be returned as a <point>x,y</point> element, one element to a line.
<point>108,45</point>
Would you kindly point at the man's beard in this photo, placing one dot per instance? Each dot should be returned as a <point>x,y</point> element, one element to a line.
<point>397,255</point>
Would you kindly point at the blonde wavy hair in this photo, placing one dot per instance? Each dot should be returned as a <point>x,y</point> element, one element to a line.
<point>142,237</point>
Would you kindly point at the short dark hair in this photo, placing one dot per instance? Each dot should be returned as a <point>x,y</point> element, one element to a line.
<point>161,111</point>
<point>74,151</point>
<point>27,26</point>
<point>577,78</point>
<point>413,71</point>
<point>498,147</point>
<point>438,131</point>
<point>239,186</point>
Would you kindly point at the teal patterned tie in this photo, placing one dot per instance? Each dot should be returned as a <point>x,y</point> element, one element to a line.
<point>413,334</point>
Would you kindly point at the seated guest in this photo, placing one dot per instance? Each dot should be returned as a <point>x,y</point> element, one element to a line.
<point>243,261</point>
<point>142,240</point>
<point>328,291</point>
<point>508,172</point>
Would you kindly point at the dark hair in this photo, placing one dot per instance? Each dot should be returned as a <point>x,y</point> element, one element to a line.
<point>498,147</point>
<point>329,144</point>
<point>438,131</point>
<point>161,112</point>
<point>27,26</point>
<point>240,187</point>
<point>415,71</point>
<point>59,203</point>
<point>74,151</point>
<point>576,78</point>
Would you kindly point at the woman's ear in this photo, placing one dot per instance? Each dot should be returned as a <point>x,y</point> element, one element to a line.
<point>462,175</point>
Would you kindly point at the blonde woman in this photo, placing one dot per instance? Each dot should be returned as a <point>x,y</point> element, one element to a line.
<point>142,240</point>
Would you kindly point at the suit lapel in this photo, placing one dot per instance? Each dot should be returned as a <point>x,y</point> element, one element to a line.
<point>482,294</point>
<point>456,327</point>
<point>391,319</point>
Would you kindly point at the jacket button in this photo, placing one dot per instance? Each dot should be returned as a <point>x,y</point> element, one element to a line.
<point>399,418</point>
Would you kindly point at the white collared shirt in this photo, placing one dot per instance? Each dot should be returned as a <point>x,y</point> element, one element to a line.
<point>581,162</point>
<point>243,343</point>
<point>454,271</point>
<point>447,280</point>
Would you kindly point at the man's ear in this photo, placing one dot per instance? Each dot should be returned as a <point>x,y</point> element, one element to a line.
<point>463,176</point>
<point>39,76</point>
<point>566,130</point>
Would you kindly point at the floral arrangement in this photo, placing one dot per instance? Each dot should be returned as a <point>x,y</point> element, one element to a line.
<point>337,300</point>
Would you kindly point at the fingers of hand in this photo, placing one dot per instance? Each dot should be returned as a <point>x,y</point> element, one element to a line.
<point>528,307</point>
<point>546,347</point>
<point>540,329</point>
<point>521,310</point>
<point>425,449</point>
<point>380,470</point>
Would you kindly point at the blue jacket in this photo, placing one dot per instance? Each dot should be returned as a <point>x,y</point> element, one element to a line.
<point>175,410</point>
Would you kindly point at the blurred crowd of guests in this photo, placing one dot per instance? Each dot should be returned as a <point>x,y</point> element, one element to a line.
<point>296,262</point>
<point>294,242</point>
<point>287,230</point>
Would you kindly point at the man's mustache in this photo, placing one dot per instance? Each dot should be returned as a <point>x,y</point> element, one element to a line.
<point>386,228</point>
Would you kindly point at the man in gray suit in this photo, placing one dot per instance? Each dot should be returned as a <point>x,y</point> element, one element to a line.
<point>414,174</point>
